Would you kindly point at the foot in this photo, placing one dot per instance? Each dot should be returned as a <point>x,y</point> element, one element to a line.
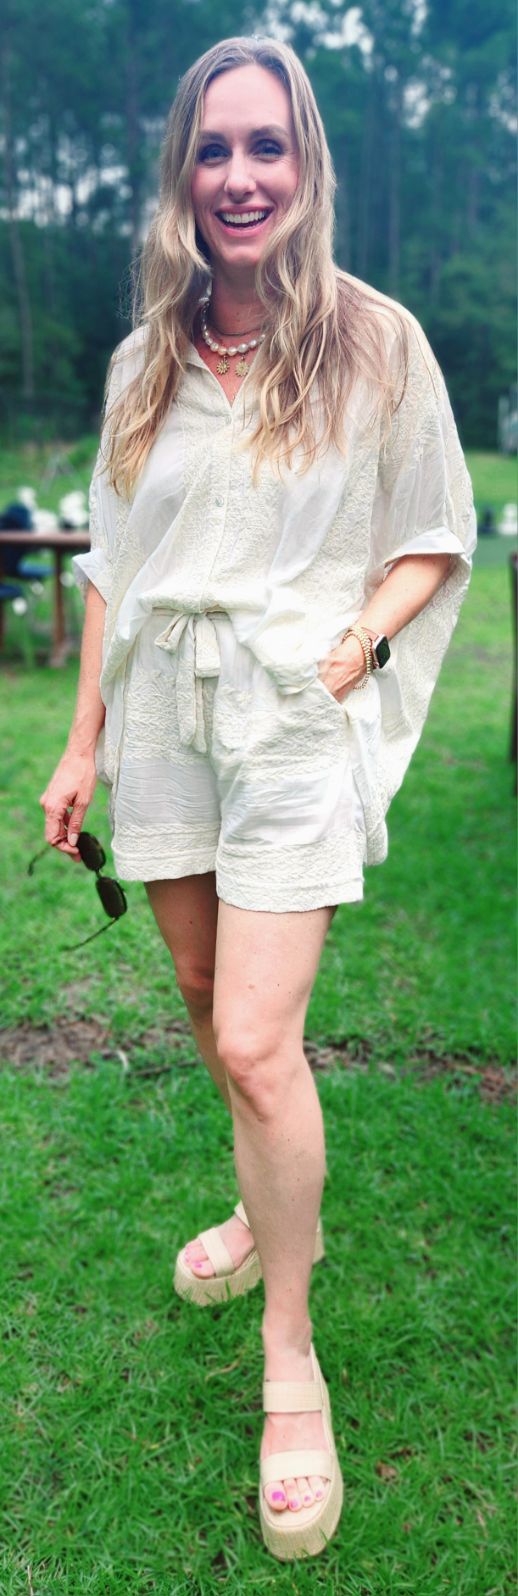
<point>283,1431</point>
<point>237,1237</point>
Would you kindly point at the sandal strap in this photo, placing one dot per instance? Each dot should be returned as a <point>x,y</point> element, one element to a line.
<point>241,1213</point>
<point>291,1396</point>
<point>289,1465</point>
<point>220,1258</point>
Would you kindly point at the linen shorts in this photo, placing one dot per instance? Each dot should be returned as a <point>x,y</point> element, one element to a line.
<point>220,771</point>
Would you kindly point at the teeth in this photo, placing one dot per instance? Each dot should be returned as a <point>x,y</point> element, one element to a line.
<point>245,216</point>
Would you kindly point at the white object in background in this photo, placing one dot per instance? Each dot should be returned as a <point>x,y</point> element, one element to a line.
<point>27,497</point>
<point>20,606</point>
<point>42,520</point>
<point>66,579</point>
<point>73,509</point>
<point>45,521</point>
<point>508,523</point>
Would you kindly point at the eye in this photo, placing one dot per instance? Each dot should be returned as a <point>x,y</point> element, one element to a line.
<point>211,152</point>
<point>269,147</point>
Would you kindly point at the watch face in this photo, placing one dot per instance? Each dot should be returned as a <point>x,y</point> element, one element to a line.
<point>382,651</point>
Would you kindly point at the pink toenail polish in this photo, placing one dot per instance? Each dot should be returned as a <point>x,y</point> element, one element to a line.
<point>278,1496</point>
<point>294,1502</point>
<point>319,1495</point>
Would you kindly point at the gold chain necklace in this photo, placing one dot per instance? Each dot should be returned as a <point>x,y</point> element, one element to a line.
<point>228,352</point>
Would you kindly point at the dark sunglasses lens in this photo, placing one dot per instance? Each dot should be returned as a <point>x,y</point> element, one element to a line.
<point>91,851</point>
<point>112,897</point>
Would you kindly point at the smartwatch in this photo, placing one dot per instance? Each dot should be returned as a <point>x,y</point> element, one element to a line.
<point>378,647</point>
<point>380,651</point>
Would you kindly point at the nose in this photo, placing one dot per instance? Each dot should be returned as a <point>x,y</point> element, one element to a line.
<point>239,179</point>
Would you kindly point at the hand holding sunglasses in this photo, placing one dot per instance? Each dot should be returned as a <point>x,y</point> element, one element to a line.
<point>112,897</point>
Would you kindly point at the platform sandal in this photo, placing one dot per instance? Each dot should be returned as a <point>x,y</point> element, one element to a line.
<point>304,1533</point>
<point>228,1281</point>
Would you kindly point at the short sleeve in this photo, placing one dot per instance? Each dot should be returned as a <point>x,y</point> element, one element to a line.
<point>423,504</point>
<point>103,504</point>
<point>424,501</point>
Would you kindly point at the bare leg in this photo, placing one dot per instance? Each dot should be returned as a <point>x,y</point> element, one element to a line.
<point>186,912</point>
<point>265,968</point>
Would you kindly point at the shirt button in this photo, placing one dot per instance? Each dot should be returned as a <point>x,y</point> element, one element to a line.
<point>219,502</point>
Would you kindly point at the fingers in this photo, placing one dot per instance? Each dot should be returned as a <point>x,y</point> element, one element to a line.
<point>59,831</point>
<point>75,822</point>
<point>66,799</point>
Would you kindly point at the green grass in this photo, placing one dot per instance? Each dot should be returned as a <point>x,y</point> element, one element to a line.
<point>131,1424</point>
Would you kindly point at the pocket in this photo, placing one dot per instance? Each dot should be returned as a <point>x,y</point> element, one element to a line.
<point>330,697</point>
<point>363,714</point>
<point>232,715</point>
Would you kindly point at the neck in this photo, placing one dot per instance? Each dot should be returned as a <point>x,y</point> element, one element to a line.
<point>234,303</point>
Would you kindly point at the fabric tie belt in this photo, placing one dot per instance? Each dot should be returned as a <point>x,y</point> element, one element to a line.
<point>198,656</point>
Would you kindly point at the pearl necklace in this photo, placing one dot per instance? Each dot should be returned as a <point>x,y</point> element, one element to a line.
<point>232,349</point>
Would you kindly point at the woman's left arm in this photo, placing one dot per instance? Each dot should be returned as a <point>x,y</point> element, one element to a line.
<point>422,536</point>
<point>410,584</point>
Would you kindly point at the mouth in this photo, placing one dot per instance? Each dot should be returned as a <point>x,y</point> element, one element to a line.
<point>244,221</point>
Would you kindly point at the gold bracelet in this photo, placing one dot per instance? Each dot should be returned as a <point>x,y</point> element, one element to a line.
<point>364,639</point>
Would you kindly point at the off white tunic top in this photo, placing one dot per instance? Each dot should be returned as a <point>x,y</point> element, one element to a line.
<point>294,560</point>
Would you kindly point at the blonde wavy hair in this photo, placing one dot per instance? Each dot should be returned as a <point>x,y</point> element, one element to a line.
<point>320,322</point>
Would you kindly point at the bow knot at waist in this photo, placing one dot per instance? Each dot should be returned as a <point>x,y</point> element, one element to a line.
<point>194,638</point>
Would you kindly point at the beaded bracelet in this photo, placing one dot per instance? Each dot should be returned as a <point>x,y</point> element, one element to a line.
<point>364,639</point>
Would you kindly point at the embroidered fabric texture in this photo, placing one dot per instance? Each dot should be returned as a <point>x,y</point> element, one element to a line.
<point>292,561</point>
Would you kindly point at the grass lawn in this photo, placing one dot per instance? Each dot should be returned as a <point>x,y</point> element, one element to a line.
<point>131,1423</point>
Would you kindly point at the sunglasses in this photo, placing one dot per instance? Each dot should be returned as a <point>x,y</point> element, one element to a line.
<point>112,897</point>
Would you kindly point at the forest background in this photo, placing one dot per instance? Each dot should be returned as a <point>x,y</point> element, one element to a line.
<point>417,97</point>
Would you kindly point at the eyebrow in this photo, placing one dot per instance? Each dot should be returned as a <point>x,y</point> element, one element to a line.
<point>281,132</point>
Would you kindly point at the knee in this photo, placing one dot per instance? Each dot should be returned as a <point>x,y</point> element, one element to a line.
<point>255,1066</point>
<point>197,989</point>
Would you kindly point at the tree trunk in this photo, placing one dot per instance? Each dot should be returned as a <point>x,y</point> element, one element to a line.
<point>18,258</point>
<point>134,136</point>
<point>364,197</point>
<point>394,191</point>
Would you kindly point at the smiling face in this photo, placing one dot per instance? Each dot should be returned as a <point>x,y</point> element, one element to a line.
<point>247,169</point>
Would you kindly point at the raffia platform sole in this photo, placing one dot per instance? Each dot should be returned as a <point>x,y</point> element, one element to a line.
<point>228,1281</point>
<point>305,1533</point>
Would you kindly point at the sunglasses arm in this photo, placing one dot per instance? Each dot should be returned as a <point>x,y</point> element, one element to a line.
<point>71,947</point>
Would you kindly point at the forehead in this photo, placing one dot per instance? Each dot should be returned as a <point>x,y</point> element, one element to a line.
<point>245,97</point>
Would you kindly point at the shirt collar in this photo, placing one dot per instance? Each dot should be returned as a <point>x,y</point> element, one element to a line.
<point>194,359</point>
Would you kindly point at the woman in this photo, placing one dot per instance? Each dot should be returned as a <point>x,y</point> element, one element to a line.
<point>279,467</point>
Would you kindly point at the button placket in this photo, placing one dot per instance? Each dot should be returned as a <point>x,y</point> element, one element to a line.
<point>220,503</point>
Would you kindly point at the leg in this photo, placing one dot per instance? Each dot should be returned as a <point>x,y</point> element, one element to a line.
<point>265,967</point>
<point>186,912</point>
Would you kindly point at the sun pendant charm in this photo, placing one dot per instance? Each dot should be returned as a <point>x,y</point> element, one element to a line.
<point>222,367</point>
<point>241,368</point>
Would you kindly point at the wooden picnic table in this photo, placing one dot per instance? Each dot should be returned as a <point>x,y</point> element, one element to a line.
<point>58,544</point>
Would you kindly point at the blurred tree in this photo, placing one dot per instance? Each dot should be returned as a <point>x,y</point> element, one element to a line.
<point>417,100</point>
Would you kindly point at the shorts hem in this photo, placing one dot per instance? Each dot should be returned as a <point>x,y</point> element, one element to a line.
<point>158,869</point>
<point>286,901</point>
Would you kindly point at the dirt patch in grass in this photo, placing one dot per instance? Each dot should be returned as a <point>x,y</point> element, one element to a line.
<point>54,1049</point>
<point>496,1082</point>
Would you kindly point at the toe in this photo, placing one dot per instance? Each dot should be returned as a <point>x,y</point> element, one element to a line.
<point>293,1495</point>
<point>196,1259</point>
<point>318,1486</point>
<point>305,1492</point>
<point>276,1496</point>
<point>202,1267</point>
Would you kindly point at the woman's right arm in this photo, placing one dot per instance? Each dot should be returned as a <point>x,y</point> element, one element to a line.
<point>72,786</point>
